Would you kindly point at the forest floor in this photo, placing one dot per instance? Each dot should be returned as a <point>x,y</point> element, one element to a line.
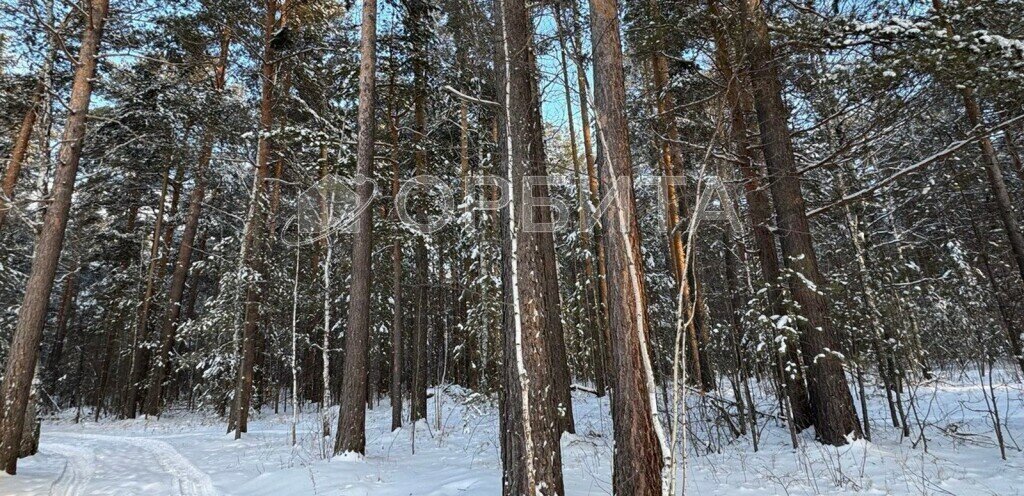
<point>189,454</point>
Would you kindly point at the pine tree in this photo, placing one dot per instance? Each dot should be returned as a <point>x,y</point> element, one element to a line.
<point>640,444</point>
<point>21,361</point>
<point>530,450</point>
<point>352,418</point>
<point>835,418</point>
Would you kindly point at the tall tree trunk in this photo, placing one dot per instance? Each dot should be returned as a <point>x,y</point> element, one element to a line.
<point>109,348</point>
<point>997,183</point>
<point>1011,149</point>
<point>326,247</point>
<point>530,450</point>
<point>992,168</point>
<point>64,315</point>
<point>554,332</point>
<point>759,209</point>
<point>418,19</point>
<point>184,262</point>
<point>30,432</point>
<point>163,234</point>
<point>194,286</point>
<point>592,294</point>
<point>464,369</point>
<point>137,371</point>
<point>352,416</point>
<point>835,417</point>
<point>397,340</point>
<point>734,250</point>
<point>677,216</point>
<point>881,338</point>
<point>253,233</point>
<point>640,448</point>
<point>114,324</point>
<point>602,336</point>
<point>20,150</point>
<point>1008,324</point>
<point>418,404</point>
<point>23,354</point>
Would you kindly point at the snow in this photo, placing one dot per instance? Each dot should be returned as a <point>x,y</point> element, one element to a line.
<point>190,454</point>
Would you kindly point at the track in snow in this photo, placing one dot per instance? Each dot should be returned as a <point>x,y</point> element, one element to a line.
<point>79,467</point>
<point>189,480</point>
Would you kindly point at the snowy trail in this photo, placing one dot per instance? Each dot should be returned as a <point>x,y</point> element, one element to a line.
<point>78,468</point>
<point>97,457</point>
<point>186,454</point>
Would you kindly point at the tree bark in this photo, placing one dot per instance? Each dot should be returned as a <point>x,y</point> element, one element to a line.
<point>24,348</point>
<point>677,217</point>
<point>992,168</point>
<point>113,325</point>
<point>163,234</point>
<point>184,261</point>
<point>835,418</point>
<point>20,150</point>
<point>881,338</point>
<point>592,295</point>
<point>137,371</point>
<point>1011,149</point>
<point>418,18</point>
<point>554,331</point>
<point>759,209</point>
<point>530,448</point>
<point>30,432</point>
<point>254,225</point>
<point>997,183</point>
<point>326,247</point>
<point>602,336</point>
<point>397,340</point>
<point>352,416</point>
<point>418,404</point>
<point>64,315</point>
<point>640,449</point>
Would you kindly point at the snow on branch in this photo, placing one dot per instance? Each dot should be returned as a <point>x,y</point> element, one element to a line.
<point>470,98</point>
<point>949,150</point>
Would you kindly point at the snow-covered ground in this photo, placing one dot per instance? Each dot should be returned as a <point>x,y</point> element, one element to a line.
<point>191,455</point>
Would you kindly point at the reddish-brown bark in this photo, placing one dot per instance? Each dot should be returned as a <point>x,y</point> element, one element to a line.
<point>24,348</point>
